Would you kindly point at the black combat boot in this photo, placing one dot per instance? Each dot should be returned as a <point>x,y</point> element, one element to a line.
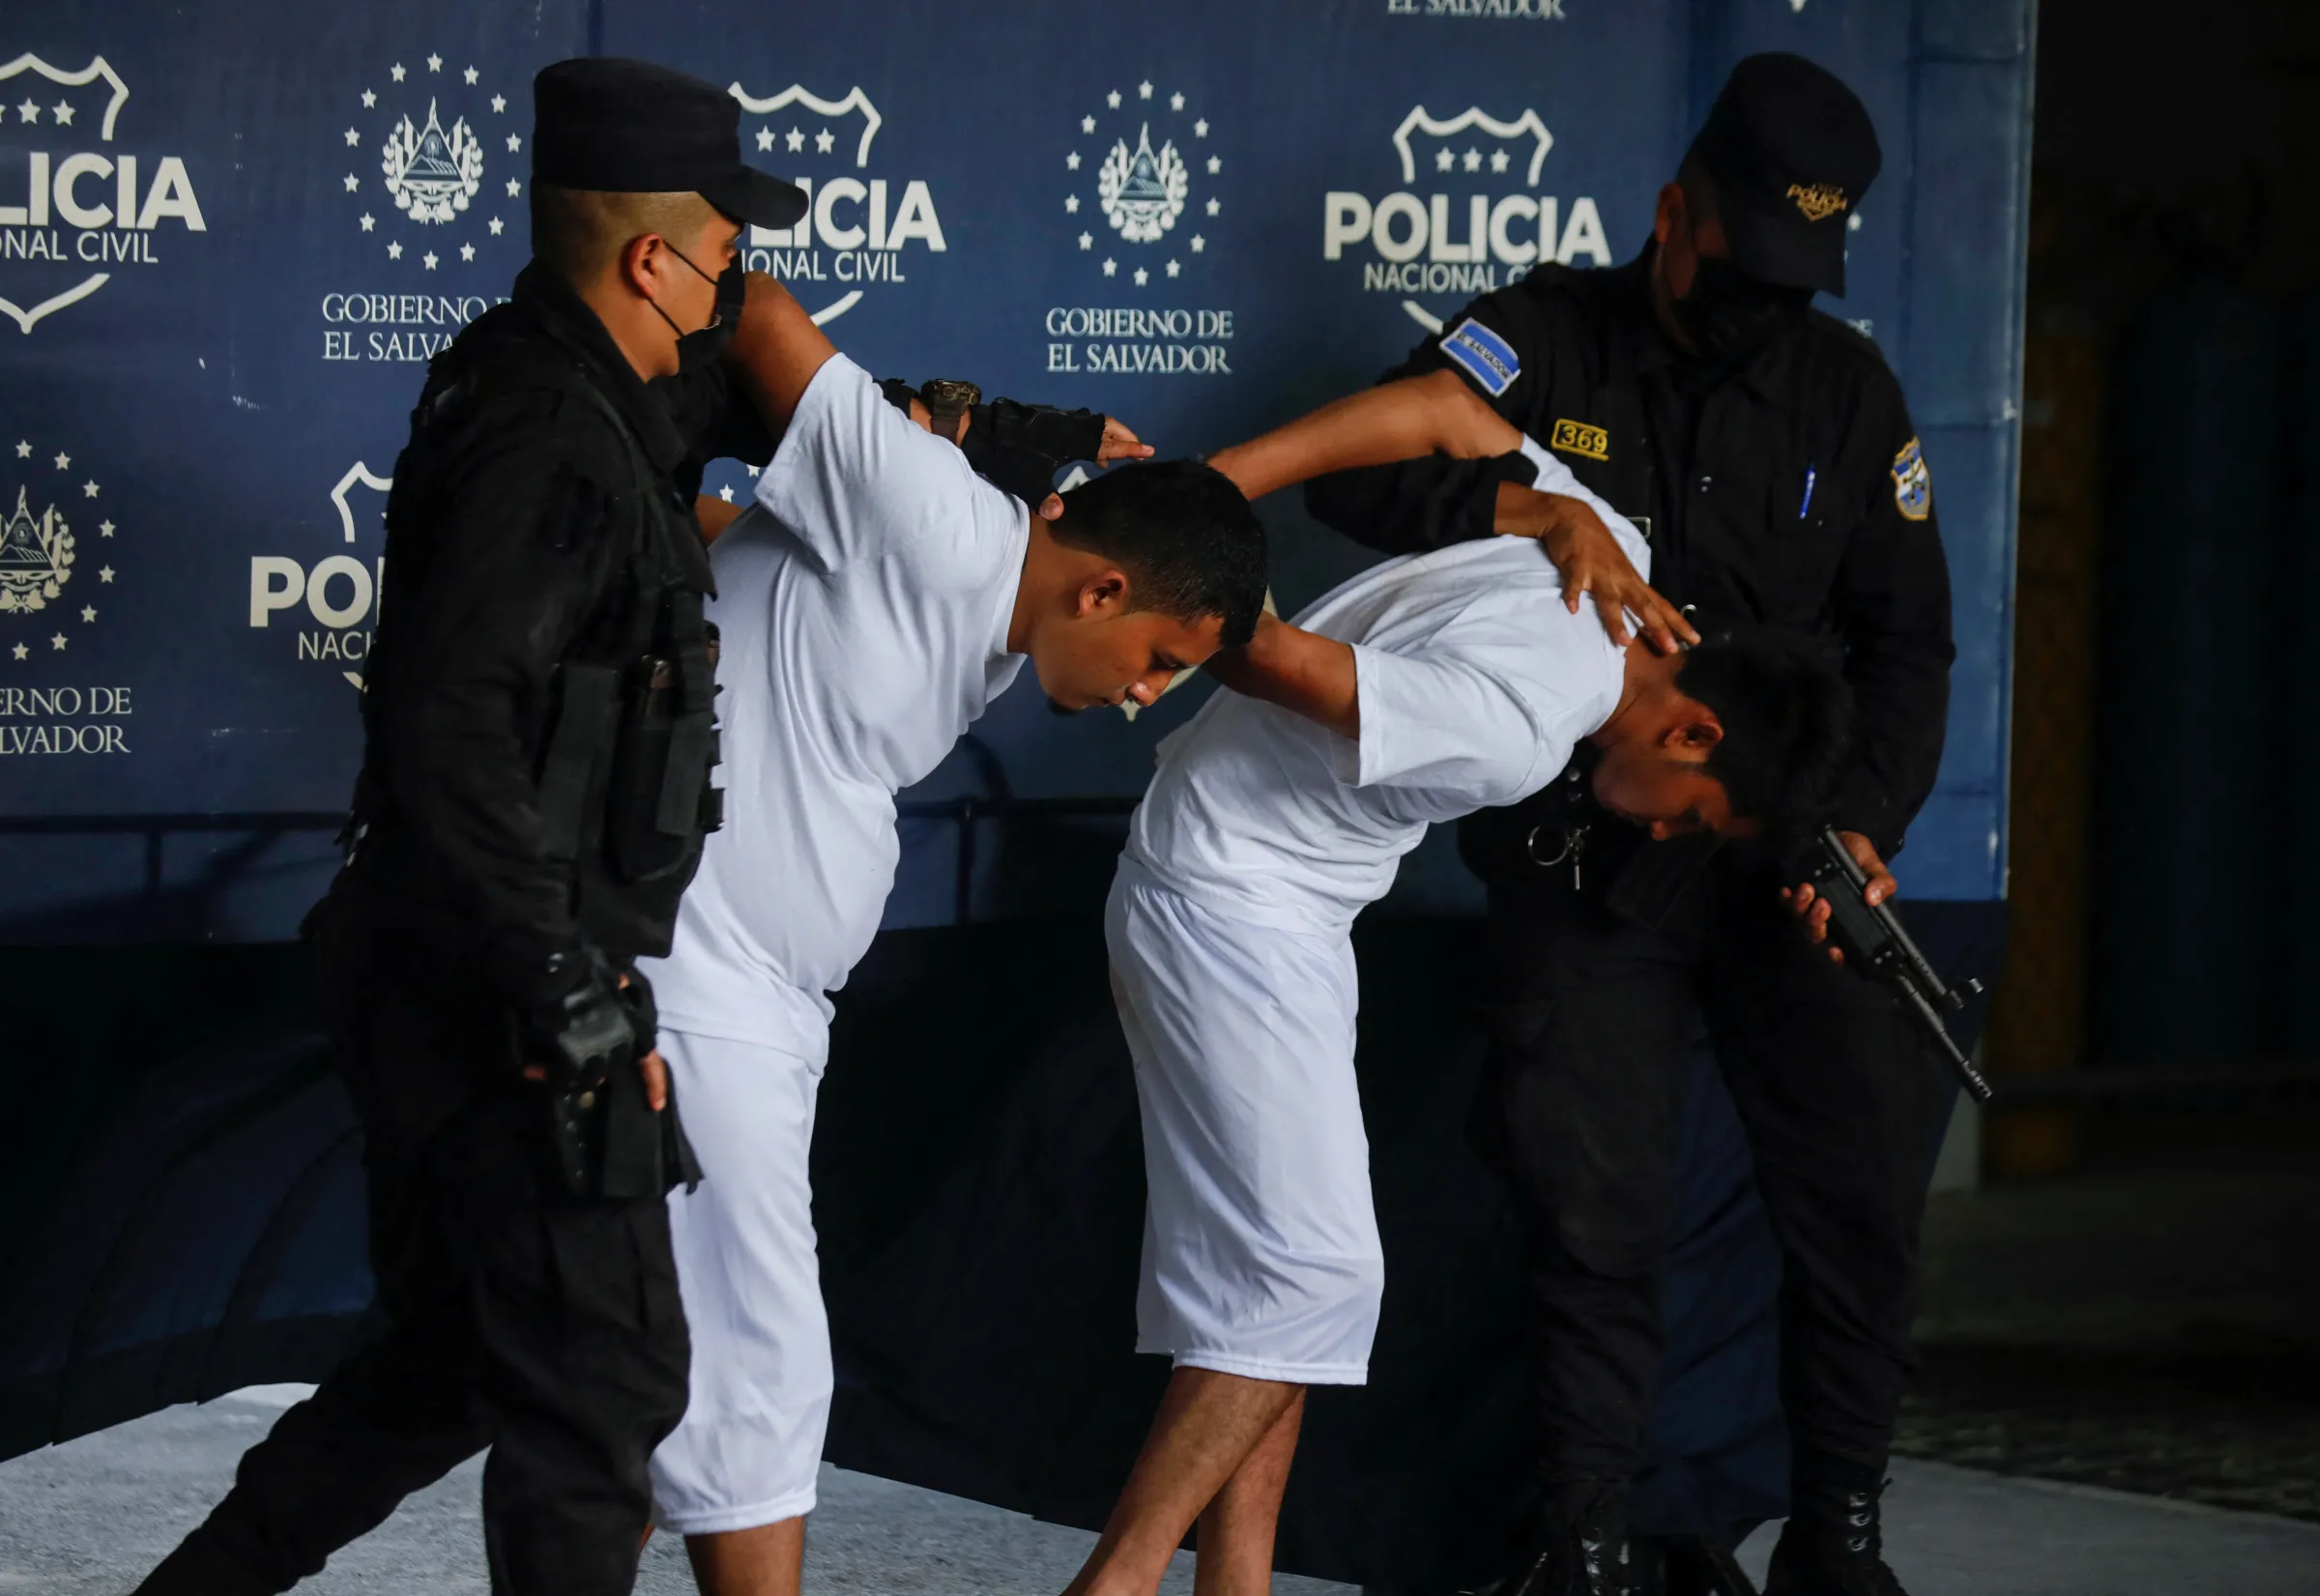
<point>1581,1550</point>
<point>1833,1544</point>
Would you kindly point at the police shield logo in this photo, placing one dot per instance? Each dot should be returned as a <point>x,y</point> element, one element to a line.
<point>1468,216</point>
<point>87,208</point>
<point>339,591</point>
<point>1912,482</point>
<point>862,229</point>
<point>44,566</point>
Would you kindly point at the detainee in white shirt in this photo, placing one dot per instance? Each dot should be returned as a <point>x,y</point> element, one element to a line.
<point>871,603</point>
<point>1425,688</point>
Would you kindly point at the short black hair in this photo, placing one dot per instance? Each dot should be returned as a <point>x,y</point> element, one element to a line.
<point>1182,531</point>
<point>1787,719</point>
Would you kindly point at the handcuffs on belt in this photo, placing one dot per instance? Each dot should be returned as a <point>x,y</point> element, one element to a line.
<point>1571,852</point>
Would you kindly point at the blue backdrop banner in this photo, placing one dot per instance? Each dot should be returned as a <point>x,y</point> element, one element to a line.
<point>232,234</point>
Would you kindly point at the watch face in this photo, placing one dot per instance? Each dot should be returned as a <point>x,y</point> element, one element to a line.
<point>949,396</point>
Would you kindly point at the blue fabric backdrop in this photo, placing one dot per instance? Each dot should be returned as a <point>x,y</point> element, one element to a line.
<point>231,232</point>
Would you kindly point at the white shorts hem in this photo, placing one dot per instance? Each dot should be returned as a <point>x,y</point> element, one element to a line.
<point>1249,1367</point>
<point>720,1520</point>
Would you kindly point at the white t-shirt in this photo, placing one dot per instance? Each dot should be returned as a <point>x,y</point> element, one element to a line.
<point>863,604</point>
<point>1474,683</point>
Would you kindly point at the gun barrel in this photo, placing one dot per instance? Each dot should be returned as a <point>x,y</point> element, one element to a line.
<point>1971,1078</point>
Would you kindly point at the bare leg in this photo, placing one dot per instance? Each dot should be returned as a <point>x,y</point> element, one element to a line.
<point>1237,1531</point>
<point>1207,1426</point>
<point>768,1560</point>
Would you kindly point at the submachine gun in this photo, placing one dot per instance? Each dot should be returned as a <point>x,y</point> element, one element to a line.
<point>1875,944</point>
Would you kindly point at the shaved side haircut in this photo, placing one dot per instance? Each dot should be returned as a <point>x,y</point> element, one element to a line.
<point>578,233</point>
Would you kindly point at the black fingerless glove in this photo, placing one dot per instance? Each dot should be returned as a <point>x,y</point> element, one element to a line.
<point>1021,447</point>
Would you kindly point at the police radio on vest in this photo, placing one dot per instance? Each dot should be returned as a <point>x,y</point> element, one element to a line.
<point>88,191</point>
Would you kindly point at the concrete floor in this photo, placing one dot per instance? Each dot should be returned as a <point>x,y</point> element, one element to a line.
<point>88,1517</point>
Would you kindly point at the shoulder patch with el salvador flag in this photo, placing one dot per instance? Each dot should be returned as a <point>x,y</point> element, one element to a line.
<point>1484,356</point>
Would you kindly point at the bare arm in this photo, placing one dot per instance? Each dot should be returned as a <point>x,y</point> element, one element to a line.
<point>1304,672</point>
<point>1436,414</point>
<point>715,515</point>
<point>1592,562</point>
<point>775,351</point>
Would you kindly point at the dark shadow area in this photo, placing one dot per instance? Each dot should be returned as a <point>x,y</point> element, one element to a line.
<point>196,1226</point>
<point>2150,1322</point>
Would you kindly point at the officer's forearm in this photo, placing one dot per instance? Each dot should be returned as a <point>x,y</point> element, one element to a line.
<point>1436,414</point>
<point>464,788</point>
<point>1413,508</point>
<point>1303,672</point>
<point>1901,718</point>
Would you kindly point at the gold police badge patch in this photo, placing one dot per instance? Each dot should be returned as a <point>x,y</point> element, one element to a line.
<point>1819,202</point>
<point>1912,482</point>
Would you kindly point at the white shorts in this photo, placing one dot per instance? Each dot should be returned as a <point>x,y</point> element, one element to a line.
<point>749,1448</point>
<point>1261,1250</point>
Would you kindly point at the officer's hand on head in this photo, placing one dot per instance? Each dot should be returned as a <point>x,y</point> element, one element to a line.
<point>1813,912</point>
<point>1592,562</point>
<point>1120,443</point>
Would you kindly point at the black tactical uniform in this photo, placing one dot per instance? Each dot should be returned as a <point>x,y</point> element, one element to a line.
<point>535,791</point>
<point>1780,483</point>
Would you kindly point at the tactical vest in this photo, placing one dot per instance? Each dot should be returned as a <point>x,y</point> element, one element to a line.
<point>1590,414</point>
<point>623,769</point>
<point>1590,411</point>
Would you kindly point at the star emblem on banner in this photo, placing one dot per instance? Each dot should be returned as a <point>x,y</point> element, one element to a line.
<point>40,498</point>
<point>1141,161</point>
<point>424,147</point>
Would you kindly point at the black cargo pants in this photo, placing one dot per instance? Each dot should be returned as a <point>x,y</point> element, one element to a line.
<point>545,1329</point>
<point>1591,1012</point>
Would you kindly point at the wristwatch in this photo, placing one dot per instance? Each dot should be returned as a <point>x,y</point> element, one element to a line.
<point>947,399</point>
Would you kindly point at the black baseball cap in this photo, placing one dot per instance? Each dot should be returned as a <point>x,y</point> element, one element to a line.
<point>633,127</point>
<point>1792,151</point>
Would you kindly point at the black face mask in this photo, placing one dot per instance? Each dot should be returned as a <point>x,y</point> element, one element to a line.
<point>698,350</point>
<point>1730,315</point>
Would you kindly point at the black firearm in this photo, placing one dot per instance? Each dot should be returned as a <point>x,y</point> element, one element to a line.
<point>1875,944</point>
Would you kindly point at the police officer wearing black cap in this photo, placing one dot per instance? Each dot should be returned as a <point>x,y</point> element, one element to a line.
<point>540,737</point>
<point>1767,450</point>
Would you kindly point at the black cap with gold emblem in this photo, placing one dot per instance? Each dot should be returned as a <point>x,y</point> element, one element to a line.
<point>1792,150</point>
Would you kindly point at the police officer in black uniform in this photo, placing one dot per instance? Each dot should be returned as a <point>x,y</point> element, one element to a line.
<point>534,790</point>
<point>1766,450</point>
